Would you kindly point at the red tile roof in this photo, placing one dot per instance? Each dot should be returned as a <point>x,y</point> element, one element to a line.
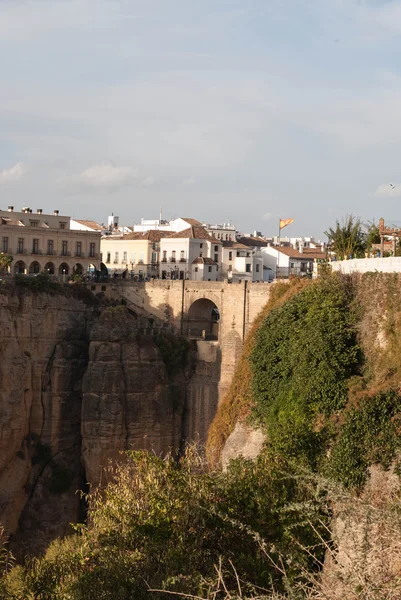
<point>237,245</point>
<point>153,235</point>
<point>191,221</point>
<point>253,241</point>
<point>293,253</point>
<point>194,232</point>
<point>91,224</point>
<point>204,261</point>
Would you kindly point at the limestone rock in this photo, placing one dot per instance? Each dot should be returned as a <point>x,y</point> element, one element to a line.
<point>244,441</point>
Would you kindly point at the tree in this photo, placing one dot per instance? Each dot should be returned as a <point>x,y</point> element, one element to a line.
<point>347,238</point>
<point>5,261</point>
<point>372,235</point>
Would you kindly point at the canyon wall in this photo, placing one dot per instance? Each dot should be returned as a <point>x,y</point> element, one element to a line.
<point>81,382</point>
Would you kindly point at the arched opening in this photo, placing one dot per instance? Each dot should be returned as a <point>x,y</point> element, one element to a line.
<point>34,269</point>
<point>203,320</point>
<point>63,269</point>
<point>49,268</point>
<point>20,268</point>
<point>78,269</point>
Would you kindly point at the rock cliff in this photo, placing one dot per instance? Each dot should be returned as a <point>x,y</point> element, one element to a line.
<point>79,383</point>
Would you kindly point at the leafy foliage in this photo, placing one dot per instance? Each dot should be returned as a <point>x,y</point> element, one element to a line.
<point>5,261</point>
<point>174,350</point>
<point>165,525</point>
<point>304,353</point>
<point>347,238</point>
<point>369,435</point>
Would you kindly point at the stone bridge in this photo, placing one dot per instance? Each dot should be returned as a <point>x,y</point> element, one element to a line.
<point>217,315</point>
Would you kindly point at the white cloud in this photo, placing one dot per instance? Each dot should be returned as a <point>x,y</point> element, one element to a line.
<point>268,216</point>
<point>388,190</point>
<point>106,175</point>
<point>148,181</point>
<point>12,174</point>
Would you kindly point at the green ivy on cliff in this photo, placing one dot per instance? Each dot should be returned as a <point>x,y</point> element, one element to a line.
<point>304,353</point>
<point>369,435</point>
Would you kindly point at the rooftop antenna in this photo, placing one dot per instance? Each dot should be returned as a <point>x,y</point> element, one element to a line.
<point>160,215</point>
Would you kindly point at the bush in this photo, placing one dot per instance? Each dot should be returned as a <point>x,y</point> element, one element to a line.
<point>166,525</point>
<point>304,353</point>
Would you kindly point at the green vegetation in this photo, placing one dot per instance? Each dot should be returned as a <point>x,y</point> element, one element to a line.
<point>5,261</point>
<point>174,351</point>
<point>166,525</point>
<point>40,283</point>
<point>347,238</point>
<point>304,353</point>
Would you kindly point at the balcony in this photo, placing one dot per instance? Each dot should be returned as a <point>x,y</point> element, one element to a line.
<point>37,251</point>
<point>22,251</point>
<point>51,252</point>
<point>164,260</point>
<point>65,253</point>
<point>116,261</point>
<point>183,260</point>
<point>79,254</point>
<point>93,255</point>
<point>173,259</point>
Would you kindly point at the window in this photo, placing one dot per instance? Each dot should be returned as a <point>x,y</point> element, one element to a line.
<point>230,256</point>
<point>257,268</point>
<point>133,257</point>
<point>200,245</point>
<point>141,255</point>
<point>230,268</point>
<point>20,247</point>
<point>108,257</point>
<point>291,265</point>
<point>216,248</point>
<point>238,253</point>
<point>210,269</point>
<point>116,257</point>
<point>154,257</point>
<point>125,257</point>
<point>164,259</point>
<point>92,249</point>
<point>181,275</point>
<point>49,246</point>
<point>78,248</point>
<point>182,256</point>
<point>196,269</point>
<point>164,274</point>
<point>173,256</point>
<point>200,254</point>
<point>101,257</point>
<point>64,248</point>
<point>216,258</point>
<point>5,244</point>
<point>62,225</point>
<point>35,246</point>
<point>248,254</point>
<point>34,223</point>
<point>248,268</point>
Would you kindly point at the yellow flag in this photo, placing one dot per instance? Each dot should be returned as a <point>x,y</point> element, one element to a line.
<point>285,222</point>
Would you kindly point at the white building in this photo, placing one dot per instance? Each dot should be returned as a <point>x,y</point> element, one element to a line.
<point>41,242</point>
<point>190,254</point>
<point>285,260</point>
<point>240,262</point>
<point>224,232</point>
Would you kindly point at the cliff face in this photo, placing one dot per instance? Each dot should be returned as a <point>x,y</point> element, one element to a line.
<point>78,385</point>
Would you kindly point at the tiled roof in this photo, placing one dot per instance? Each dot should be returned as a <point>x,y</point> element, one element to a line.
<point>253,241</point>
<point>153,235</point>
<point>91,224</point>
<point>292,253</point>
<point>237,245</point>
<point>204,261</point>
<point>194,232</point>
<point>191,221</point>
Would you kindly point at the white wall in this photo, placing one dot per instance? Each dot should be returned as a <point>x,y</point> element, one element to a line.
<point>392,264</point>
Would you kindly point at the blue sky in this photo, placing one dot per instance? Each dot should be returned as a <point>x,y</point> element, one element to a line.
<point>241,110</point>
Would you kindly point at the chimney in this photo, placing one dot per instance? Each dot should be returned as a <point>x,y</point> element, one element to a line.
<point>25,210</point>
<point>10,209</point>
<point>301,246</point>
<point>39,211</point>
<point>56,212</point>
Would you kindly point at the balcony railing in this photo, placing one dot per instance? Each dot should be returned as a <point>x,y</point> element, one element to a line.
<point>80,254</point>
<point>65,253</point>
<point>37,251</point>
<point>183,260</point>
<point>173,259</point>
<point>164,260</point>
<point>51,252</point>
<point>22,251</point>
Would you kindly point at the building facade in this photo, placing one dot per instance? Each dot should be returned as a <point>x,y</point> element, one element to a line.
<point>136,254</point>
<point>46,243</point>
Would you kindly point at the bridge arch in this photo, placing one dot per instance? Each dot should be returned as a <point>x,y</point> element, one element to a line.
<point>203,319</point>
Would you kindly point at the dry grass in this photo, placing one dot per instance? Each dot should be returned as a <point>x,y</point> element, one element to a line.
<point>237,403</point>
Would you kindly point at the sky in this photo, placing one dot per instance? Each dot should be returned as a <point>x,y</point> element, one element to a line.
<point>222,110</point>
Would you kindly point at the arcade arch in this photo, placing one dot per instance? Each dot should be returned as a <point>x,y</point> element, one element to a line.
<point>203,319</point>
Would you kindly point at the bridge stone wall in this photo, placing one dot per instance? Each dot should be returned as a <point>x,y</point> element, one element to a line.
<point>238,305</point>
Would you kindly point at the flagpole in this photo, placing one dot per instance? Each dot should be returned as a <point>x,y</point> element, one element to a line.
<point>279,232</point>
